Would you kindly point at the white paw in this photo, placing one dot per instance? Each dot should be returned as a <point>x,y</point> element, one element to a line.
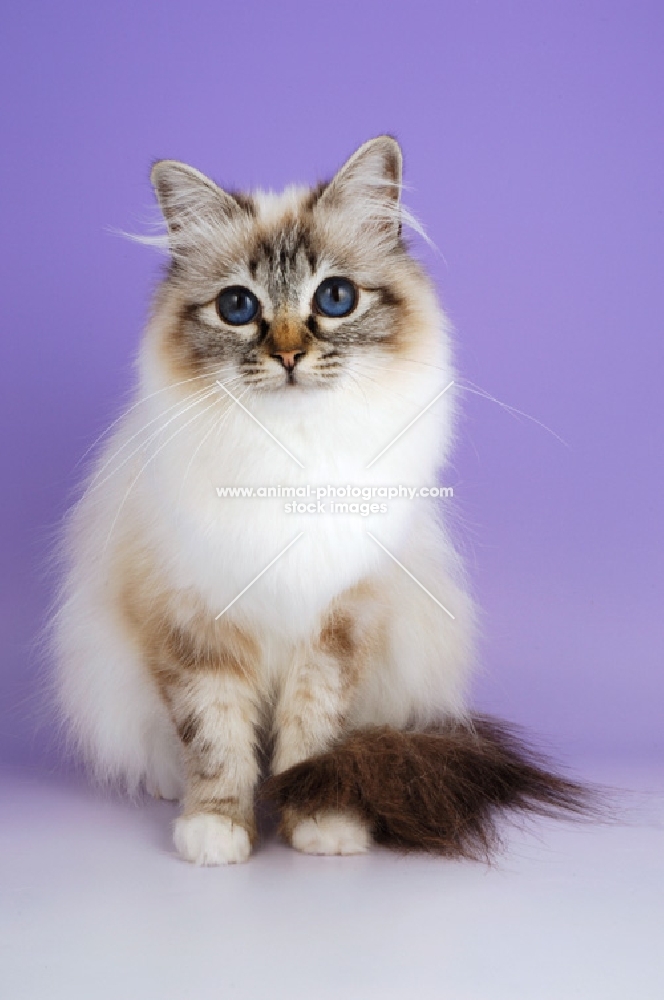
<point>206,839</point>
<point>331,833</point>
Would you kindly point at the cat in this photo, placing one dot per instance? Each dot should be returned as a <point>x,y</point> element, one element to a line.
<point>294,341</point>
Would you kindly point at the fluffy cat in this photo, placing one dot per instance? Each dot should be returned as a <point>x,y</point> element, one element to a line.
<point>293,341</point>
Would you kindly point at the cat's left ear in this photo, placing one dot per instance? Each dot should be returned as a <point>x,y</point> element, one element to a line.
<point>190,202</point>
<point>368,186</point>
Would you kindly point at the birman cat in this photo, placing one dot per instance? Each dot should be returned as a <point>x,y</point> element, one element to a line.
<point>212,646</point>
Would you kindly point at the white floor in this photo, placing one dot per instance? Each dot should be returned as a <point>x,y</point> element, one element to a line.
<point>94,905</point>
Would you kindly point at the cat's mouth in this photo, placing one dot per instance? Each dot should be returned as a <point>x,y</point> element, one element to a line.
<point>293,381</point>
<point>296,378</point>
<point>266,377</point>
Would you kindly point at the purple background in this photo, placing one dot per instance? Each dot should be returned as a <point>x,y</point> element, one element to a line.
<point>533,137</point>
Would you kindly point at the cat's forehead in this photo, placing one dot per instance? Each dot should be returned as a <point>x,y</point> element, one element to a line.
<point>283,249</point>
<point>273,209</point>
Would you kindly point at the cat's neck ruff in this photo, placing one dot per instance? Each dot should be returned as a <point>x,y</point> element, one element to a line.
<point>216,545</point>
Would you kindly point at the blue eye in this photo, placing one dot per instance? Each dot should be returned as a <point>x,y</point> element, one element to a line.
<point>335,297</point>
<point>237,305</point>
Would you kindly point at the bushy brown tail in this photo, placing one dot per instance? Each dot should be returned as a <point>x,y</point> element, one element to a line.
<point>441,790</point>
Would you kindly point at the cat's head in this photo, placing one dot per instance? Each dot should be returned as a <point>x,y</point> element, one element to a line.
<point>293,291</point>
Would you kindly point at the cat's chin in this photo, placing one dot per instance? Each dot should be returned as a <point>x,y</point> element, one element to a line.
<point>301,386</point>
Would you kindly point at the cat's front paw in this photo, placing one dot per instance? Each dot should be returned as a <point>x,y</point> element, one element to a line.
<point>208,839</point>
<point>330,833</point>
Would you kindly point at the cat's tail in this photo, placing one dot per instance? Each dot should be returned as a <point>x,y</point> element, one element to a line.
<point>441,790</point>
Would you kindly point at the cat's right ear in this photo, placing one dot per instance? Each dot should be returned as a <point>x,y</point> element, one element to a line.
<point>189,200</point>
<point>365,193</point>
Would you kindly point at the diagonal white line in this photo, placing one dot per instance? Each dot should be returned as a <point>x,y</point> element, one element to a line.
<point>408,573</point>
<point>408,426</point>
<point>262,426</point>
<point>297,537</point>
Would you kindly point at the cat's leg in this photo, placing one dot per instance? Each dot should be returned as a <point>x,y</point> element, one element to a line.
<point>310,716</point>
<point>208,682</point>
<point>216,716</point>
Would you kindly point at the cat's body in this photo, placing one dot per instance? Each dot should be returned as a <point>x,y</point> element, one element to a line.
<point>167,678</point>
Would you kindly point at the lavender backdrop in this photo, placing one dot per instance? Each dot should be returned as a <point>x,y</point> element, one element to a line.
<point>534,140</point>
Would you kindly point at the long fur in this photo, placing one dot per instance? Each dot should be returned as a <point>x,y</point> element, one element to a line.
<point>441,791</point>
<point>187,624</point>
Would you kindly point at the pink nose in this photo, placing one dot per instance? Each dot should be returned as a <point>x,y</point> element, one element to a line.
<point>288,358</point>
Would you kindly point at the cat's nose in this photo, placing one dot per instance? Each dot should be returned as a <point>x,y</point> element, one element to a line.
<point>288,358</point>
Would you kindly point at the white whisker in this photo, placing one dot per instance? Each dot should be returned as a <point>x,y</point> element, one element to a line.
<point>385,388</point>
<point>198,397</point>
<point>152,457</point>
<point>356,381</point>
<point>386,368</point>
<point>478,391</point>
<point>145,426</point>
<point>214,426</point>
<point>95,483</point>
<point>468,386</point>
<point>144,399</point>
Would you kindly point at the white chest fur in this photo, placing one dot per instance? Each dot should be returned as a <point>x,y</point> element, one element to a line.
<point>219,545</point>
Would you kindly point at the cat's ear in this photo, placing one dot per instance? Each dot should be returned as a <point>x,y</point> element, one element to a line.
<point>188,199</point>
<point>368,186</point>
